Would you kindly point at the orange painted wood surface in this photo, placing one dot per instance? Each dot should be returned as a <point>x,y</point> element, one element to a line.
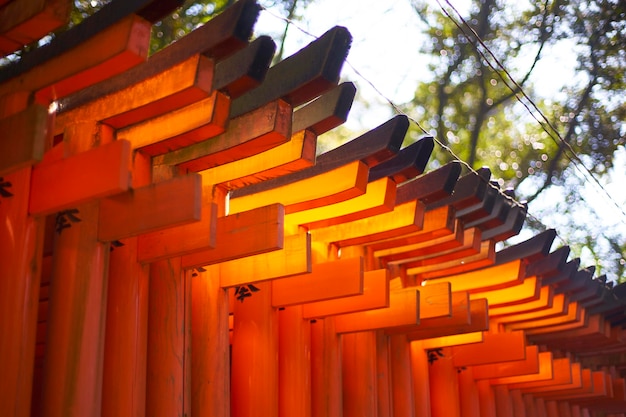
<point>293,259</point>
<point>375,295</point>
<point>150,208</point>
<point>247,135</point>
<point>210,372</point>
<point>167,302</point>
<point>21,246</point>
<point>444,389</point>
<point>239,235</point>
<point>178,86</point>
<point>296,154</point>
<point>405,218</point>
<point>328,280</point>
<point>468,394</point>
<point>383,376</point>
<point>359,374</point>
<point>72,375</point>
<point>294,368</point>
<point>26,143</point>
<point>110,52</point>
<point>126,337</point>
<point>496,347</point>
<point>254,372</point>
<point>97,173</point>
<point>421,379</point>
<point>529,365</point>
<point>401,378</point>
<point>193,123</point>
<point>330,187</point>
<point>181,240</point>
<point>326,375</point>
<point>403,310</point>
<point>379,197</point>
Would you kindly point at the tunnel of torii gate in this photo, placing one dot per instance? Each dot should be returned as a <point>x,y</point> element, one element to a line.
<point>171,245</point>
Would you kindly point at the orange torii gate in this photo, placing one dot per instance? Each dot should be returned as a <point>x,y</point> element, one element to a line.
<point>170,244</point>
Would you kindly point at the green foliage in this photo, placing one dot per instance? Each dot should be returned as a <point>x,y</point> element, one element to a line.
<point>473,109</point>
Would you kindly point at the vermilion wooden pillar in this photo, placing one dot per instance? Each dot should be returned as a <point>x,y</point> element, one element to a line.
<point>167,331</point>
<point>468,394</point>
<point>126,340</point>
<point>72,380</point>
<point>383,374</point>
<point>72,375</point>
<point>254,380</point>
<point>421,379</point>
<point>294,363</point>
<point>444,389</point>
<point>21,243</point>
<point>360,390</point>
<point>487,399</point>
<point>210,371</point>
<point>326,376</point>
<point>402,383</point>
<point>504,407</point>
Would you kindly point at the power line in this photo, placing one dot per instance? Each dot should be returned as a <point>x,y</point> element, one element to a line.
<point>575,160</point>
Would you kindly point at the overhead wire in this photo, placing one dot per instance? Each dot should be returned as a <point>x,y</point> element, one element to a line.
<point>445,147</point>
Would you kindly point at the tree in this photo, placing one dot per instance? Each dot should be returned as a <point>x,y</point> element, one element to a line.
<point>471,103</point>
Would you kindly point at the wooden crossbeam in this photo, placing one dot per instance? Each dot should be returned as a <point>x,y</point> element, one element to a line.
<point>334,186</point>
<point>53,74</point>
<point>423,250</point>
<point>371,148</point>
<point>293,259</point>
<point>573,314</point>
<point>375,295</point>
<point>545,300</point>
<point>546,369</point>
<point>496,347</point>
<point>533,250</point>
<point>326,281</point>
<point>97,173</point>
<point>430,187</point>
<point>254,132</point>
<point>150,208</point>
<point>180,85</point>
<point>245,234</point>
<point>458,312</point>
<point>528,290</point>
<point>403,219</point>
<point>180,240</point>
<point>226,33</point>
<point>495,277</point>
<point>379,197</point>
<point>461,325</point>
<point>483,258</point>
<point>563,370</point>
<point>449,341</point>
<point>558,307</point>
<point>196,122</point>
<point>469,190</point>
<point>24,138</point>
<point>22,22</point>
<point>408,164</point>
<point>301,77</point>
<point>403,310</point>
<point>529,365</point>
<point>470,245</point>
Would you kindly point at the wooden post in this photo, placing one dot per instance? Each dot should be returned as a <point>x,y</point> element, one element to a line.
<point>402,386</point>
<point>421,379</point>
<point>444,389</point>
<point>254,383</point>
<point>210,373</point>
<point>72,376</point>
<point>126,340</point>
<point>468,394</point>
<point>294,367</point>
<point>21,244</point>
<point>502,396</point>
<point>383,375</point>
<point>359,374</point>
<point>326,376</point>
<point>165,388</point>
<point>487,399</point>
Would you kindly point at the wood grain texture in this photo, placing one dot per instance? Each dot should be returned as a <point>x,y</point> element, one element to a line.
<point>26,144</point>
